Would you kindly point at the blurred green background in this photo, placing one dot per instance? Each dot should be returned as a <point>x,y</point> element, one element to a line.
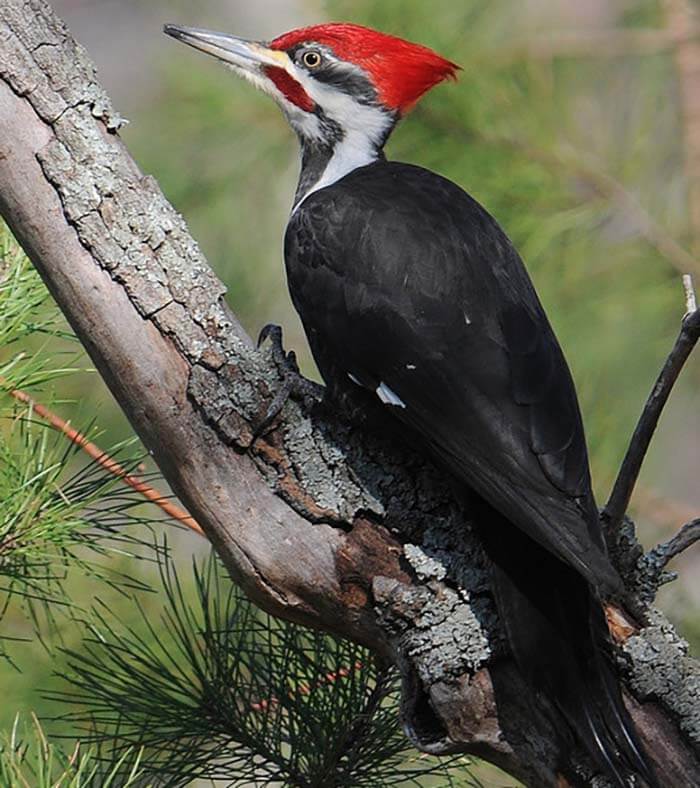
<point>572,122</point>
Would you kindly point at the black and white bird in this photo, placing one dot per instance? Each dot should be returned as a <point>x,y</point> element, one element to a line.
<point>408,289</point>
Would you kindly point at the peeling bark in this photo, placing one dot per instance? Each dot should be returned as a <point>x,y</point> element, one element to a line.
<point>319,522</point>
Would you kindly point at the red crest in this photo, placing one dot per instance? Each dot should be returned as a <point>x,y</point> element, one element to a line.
<point>401,71</point>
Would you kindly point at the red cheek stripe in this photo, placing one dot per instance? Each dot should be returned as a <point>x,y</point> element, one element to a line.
<point>290,88</point>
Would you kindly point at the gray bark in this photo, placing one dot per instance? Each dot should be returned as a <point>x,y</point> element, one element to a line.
<point>320,523</point>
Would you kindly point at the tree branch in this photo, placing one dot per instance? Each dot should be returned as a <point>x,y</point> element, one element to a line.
<point>631,465</point>
<point>685,538</point>
<point>651,573</point>
<point>318,522</point>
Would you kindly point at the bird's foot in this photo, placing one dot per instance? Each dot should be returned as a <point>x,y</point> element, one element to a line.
<point>294,384</point>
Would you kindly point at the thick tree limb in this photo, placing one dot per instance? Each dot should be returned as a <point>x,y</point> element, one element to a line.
<point>318,522</point>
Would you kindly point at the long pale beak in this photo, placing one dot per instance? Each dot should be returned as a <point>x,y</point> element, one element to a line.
<point>248,55</point>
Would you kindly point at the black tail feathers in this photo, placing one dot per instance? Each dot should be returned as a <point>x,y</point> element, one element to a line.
<point>607,721</point>
<point>559,636</point>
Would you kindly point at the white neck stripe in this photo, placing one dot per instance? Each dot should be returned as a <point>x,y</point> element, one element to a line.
<point>364,129</point>
<point>346,158</point>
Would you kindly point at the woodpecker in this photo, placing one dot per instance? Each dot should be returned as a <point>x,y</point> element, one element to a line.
<point>411,293</point>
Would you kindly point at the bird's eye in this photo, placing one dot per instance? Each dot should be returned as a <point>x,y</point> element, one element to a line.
<point>311,58</point>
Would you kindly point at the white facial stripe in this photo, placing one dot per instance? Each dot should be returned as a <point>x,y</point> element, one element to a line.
<point>258,80</point>
<point>305,122</point>
<point>355,118</point>
<point>364,128</point>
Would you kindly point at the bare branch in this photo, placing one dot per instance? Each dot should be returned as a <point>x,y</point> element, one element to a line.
<point>685,538</point>
<point>691,302</point>
<point>631,465</point>
<point>651,573</point>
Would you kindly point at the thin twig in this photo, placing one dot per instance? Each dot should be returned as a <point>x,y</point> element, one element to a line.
<point>306,689</point>
<point>685,538</point>
<point>103,459</point>
<point>652,567</point>
<point>629,471</point>
<point>691,301</point>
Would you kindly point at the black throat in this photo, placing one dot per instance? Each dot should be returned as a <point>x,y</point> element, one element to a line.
<point>315,157</point>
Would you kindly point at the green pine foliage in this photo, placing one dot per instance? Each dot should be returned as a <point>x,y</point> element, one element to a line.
<point>52,504</point>
<point>36,521</point>
<point>29,760</point>
<point>212,688</point>
<point>57,514</point>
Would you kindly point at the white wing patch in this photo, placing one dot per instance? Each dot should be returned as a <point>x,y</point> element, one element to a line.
<point>388,397</point>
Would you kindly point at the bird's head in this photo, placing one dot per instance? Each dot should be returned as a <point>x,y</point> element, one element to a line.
<point>335,82</point>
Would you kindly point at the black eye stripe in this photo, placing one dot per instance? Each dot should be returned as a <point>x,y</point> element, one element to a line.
<point>333,73</point>
<point>354,84</point>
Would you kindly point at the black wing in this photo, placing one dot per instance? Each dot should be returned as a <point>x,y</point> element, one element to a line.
<point>408,285</point>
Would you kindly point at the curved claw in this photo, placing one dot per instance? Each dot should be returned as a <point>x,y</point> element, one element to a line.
<point>275,407</point>
<point>286,362</point>
<point>291,362</point>
<point>293,384</point>
<point>270,330</point>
